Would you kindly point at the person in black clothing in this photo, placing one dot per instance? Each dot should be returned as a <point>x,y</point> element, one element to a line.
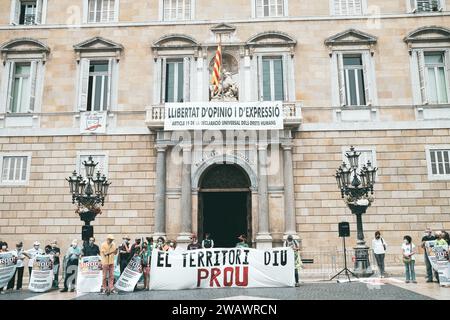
<point>428,236</point>
<point>194,245</point>
<point>54,251</point>
<point>19,268</point>
<point>207,242</point>
<point>90,248</point>
<point>124,253</point>
<point>136,247</point>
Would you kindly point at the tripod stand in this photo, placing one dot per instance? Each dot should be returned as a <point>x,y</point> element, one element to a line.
<point>346,270</point>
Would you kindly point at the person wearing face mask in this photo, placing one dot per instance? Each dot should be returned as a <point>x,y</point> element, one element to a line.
<point>124,253</point>
<point>90,248</point>
<point>379,247</point>
<point>19,266</point>
<point>159,245</point>
<point>4,248</point>
<point>171,245</point>
<point>409,259</point>
<point>136,247</point>
<point>428,236</point>
<point>55,252</point>
<point>31,254</point>
<point>194,245</point>
<point>72,257</point>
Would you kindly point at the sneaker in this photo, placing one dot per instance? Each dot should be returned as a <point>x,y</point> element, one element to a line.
<point>297,284</point>
<point>64,290</point>
<point>113,291</point>
<point>72,290</point>
<point>407,281</point>
<point>429,281</point>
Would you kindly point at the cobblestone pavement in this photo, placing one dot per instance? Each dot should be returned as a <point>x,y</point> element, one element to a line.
<point>307,291</point>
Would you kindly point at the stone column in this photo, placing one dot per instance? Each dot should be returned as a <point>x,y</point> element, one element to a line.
<point>263,237</point>
<point>160,194</point>
<point>186,198</point>
<point>289,205</point>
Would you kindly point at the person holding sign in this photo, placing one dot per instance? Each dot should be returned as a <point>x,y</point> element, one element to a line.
<point>19,266</point>
<point>72,256</point>
<point>290,242</point>
<point>107,251</point>
<point>31,254</point>
<point>243,243</point>
<point>409,251</point>
<point>428,236</point>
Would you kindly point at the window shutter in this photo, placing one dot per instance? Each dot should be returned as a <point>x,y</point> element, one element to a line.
<point>415,77</point>
<point>422,76</point>
<point>266,89</point>
<point>260,79</point>
<point>84,84</point>
<point>366,60</point>
<point>9,90</point>
<point>413,5</point>
<point>285,83</point>
<point>15,12</point>
<point>187,78</point>
<point>341,79</point>
<point>33,80</point>
<point>38,19</point>
<point>163,79</point>
<point>278,76</point>
<point>110,76</point>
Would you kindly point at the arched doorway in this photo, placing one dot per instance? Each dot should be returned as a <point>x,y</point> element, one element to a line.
<point>224,204</point>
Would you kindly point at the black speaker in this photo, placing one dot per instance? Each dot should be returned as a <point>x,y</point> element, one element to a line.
<point>344,229</point>
<point>87,232</point>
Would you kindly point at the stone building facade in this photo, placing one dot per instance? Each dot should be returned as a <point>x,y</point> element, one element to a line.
<point>373,74</point>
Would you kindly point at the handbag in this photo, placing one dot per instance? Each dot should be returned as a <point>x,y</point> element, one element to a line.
<point>408,259</point>
<point>384,245</point>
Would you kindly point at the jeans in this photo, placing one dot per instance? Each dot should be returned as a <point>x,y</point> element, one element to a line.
<point>108,273</point>
<point>429,267</point>
<point>19,272</point>
<point>409,270</point>
<point>380,262</point>
<point>56,273</point>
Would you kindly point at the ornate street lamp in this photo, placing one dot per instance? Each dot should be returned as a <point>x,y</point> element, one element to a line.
<point>357,190</point>
<point>89,194</point>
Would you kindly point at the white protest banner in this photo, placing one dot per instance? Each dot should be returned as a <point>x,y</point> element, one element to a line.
<point>216,268</point>
<point>7,267</point>
<point>89,277</point>
<point>42,274</point>
<point>260,115</point>
<point>130,276</point>
<point>438,256</point>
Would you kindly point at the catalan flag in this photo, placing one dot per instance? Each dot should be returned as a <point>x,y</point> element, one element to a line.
<point>217,68</point>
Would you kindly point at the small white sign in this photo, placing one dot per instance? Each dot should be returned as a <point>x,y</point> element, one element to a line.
<point>93,122</point>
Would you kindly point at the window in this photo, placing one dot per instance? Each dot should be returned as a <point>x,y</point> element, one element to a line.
<point>347,7</point>
<point>21,95</point>
<point>426,5</point>
<point>98,86</point>
<point>272,79</point>
<point>100,157</point>
<point>354,80</point>
<point>438,160</point>
<point>102,11</point>
<point>15,168</point>
<point>436,77</point>
<point>174,81</point>
<point>29,12</point>
<point>177,10</point>
<point>269,8</point>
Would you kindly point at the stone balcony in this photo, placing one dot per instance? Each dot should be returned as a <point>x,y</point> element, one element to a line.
<point>292,115</point>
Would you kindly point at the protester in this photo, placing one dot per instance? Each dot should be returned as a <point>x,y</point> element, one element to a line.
<point>446,237</point>
<point>243,243</point>
<point>428,236</point>
<point>90,248</point>
<point>19,266</point>
<point>55,252</point>
<point>207,242</point>
<point>290,242</point>
<point>136,247</point>
<point>171,245</point>
<point>72,257</point>
<point>4,248</point>
<point>409,251</point>
<point>159,245</point>
<point>440,239</point>
<point>150,242</point>
<point>124,253</point>
<point>379,248</point>
<point>145,255</point>
<point>31,255</point>
<point>107,251</point>
<point>194,245</point>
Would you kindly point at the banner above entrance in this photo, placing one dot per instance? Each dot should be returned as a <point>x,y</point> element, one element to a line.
<point>267,115</point>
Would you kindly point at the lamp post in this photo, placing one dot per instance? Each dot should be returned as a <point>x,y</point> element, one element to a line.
<point>89,194</point>
<point>356,188</point>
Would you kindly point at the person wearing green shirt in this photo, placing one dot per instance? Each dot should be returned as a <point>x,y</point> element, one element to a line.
<point>146,254</point>
<point>243,242</point>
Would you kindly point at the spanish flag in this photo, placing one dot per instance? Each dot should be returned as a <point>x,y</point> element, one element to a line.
<point>217,68</point>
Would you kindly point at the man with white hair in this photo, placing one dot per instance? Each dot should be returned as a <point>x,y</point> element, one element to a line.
<point>31,255</point>
<point>72,256</point>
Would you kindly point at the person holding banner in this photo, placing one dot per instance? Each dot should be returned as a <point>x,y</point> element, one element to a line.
<point>146,254</point>
<point>291,243</point>
<point>207,242</point>
<point>107,252</point>
<point>243,243</point>
<point>428,236</point>
<point>409,251</point>
<point>31,254</point>
<point>90,249</point>
<point>124,253</point>
<point>194,245</point>
<point>72,257</point>
<point>159,245</point>
<point>19,266</point>
<point>4,249</point>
